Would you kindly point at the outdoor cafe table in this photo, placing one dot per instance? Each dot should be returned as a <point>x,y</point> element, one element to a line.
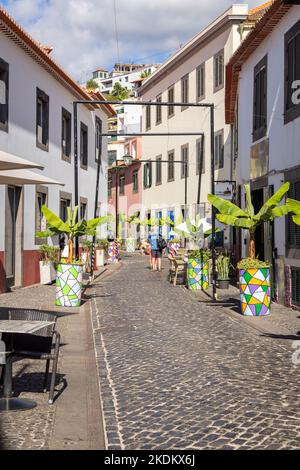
<point>11,327</point>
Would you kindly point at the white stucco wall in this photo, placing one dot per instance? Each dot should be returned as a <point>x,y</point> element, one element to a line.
<point>284,139</point>
<point>24,76</point>
<point>170,194</point>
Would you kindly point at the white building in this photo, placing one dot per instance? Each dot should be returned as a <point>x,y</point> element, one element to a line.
<point>259,103</point>
<point>36,123</point>
<point>195,73</point>
<point>124,74</point>
<point>128,120</point>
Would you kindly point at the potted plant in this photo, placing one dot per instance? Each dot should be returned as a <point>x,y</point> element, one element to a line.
<point>49,258</point>
<point>255,289</point>
<point>223,265</point>
<point>101,252</point>
<point>69,273</point>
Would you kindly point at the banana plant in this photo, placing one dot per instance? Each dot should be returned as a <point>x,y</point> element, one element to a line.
<point>294,206</point>
<point>71,228</point>
<point>231,214</point>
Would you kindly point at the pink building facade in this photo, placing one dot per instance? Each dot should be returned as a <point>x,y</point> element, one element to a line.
<point>125,191</point>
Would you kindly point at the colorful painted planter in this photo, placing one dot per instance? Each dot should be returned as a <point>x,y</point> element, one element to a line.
<point>197,274</point>
<point>130,245</point>
<point>255,291</point>
<point>113,252</point>
<point>68,285</point>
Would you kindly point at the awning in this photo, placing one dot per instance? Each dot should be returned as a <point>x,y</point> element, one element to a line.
<point>8,161</point>
<point>21,177</point>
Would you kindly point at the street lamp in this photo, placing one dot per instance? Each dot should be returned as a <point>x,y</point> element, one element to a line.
<point>128,159</point>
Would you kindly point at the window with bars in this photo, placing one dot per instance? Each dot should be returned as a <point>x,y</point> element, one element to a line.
<point>219,150</point>
<point>200,81</point>
<point>295,278</point>
<point>200,153</point>
<point>42,120</point>
<point>260,100</point>
<point>122,185</point>
<point>40,221</point>
<point>147,175</point>
<point>219,71</point>
<point>111,157</point>
<point>158,170</point>
<point>148,117</point>
<point>184,91</point>
<point>158,111</point>
<point>292,71</point>
<point>98,138</point>
<point>293,230</point>
<point>171,97</point>
<point>66,126</point>
<point>4,80</point>
<point>135,181</point>
<point>83,146</point>
<point>65,202</point>
<point>83,208</point>
<point>184,161</point>
<point>171,166</point>
<point>109,187</point>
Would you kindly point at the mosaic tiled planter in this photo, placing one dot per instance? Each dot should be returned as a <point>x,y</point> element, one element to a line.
<point>68,285</point>
<point>197,274</point>
<point>255,291</point>
<point>113,252</point>
<point>130,245</point>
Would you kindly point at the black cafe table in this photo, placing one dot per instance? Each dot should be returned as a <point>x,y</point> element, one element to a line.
<point>11,327</point>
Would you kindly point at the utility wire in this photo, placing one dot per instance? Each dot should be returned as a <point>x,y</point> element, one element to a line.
<point>116,30</point>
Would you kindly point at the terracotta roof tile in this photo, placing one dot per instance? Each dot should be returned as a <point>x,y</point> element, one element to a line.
<point>40,54</point>
<point>271,17</point>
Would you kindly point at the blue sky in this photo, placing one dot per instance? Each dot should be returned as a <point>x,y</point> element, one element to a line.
<point>83,32</point>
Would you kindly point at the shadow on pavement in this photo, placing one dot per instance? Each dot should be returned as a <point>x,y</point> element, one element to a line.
<point>295,337</point>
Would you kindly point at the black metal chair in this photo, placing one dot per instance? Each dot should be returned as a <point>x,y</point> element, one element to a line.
<point>42,345</point>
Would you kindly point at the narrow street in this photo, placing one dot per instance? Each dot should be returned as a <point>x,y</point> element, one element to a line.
<point>179,374</point>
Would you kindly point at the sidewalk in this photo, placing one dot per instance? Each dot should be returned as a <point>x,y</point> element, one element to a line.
<point>283,323</point>
<point>74,421</point>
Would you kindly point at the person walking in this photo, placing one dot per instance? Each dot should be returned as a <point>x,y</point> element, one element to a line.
<point>158,245</point>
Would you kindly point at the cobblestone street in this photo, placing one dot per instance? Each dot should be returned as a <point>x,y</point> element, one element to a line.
<point>176,373</point>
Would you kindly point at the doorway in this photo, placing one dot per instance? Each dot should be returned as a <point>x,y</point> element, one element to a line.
<point>13,236</point>
<point>258,201</point>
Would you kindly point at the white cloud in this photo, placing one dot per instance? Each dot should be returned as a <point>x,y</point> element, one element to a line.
<point>82,32</point>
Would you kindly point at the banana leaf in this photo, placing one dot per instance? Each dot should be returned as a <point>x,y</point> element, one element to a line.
<point>296,219</point>
<point>54,222</point>
<point>241,222</point>
<point>274,201</point>
<point>226,207</point>
<point>249,205</point>
<point>293,205</point>
<point>45,234</point>
<point>279,211</point>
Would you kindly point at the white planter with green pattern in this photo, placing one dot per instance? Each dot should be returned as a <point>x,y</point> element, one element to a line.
<point>68,285</point>
<point>130,245</point>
